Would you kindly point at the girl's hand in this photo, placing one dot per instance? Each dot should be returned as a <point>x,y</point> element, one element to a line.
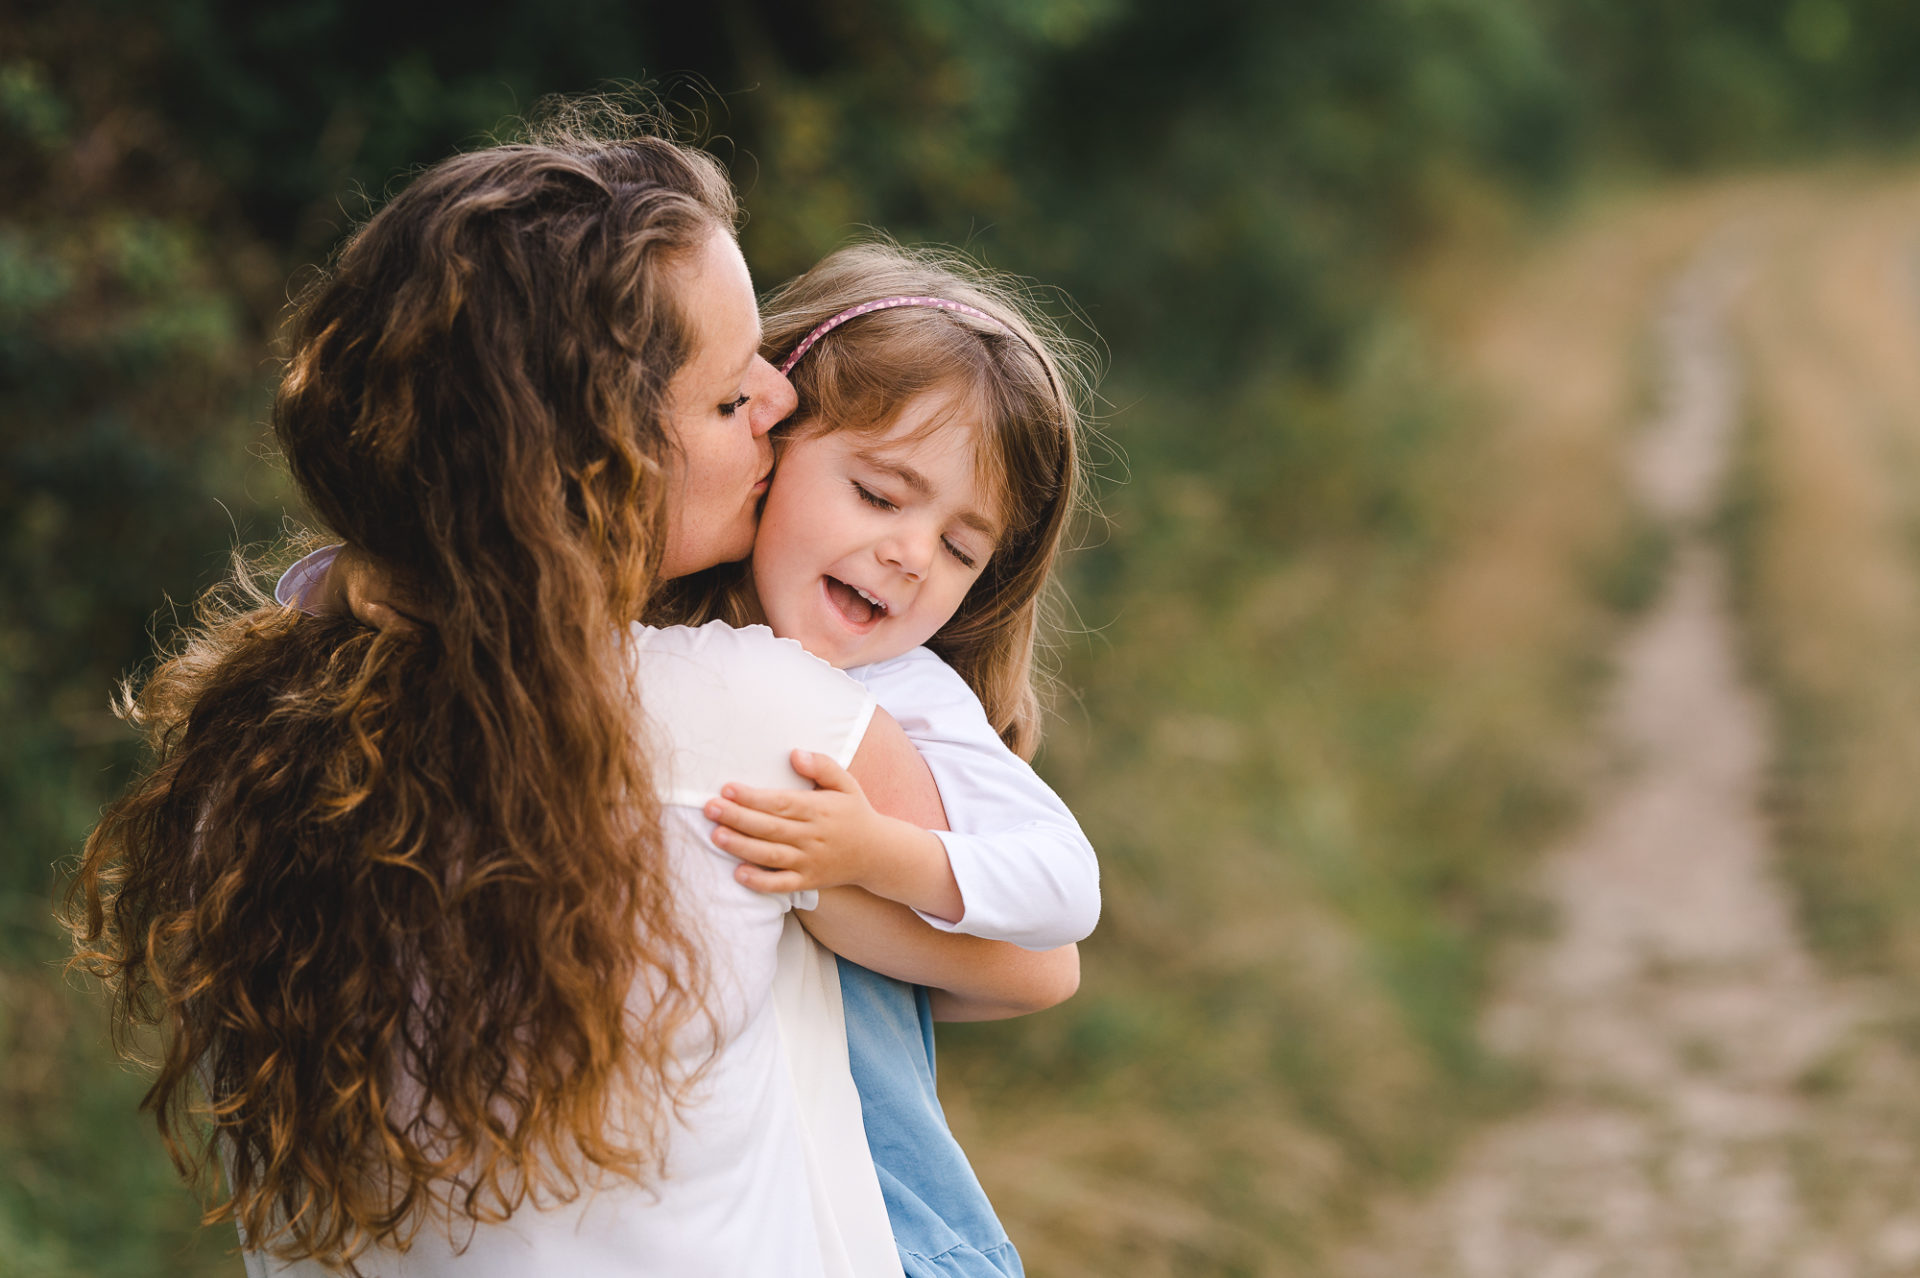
<point>796,840</point>
<point>354,584</point>
<point>365,590</point>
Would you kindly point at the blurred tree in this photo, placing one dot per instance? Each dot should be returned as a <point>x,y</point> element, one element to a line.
<point>127,357</point>
<point>1731,79</point>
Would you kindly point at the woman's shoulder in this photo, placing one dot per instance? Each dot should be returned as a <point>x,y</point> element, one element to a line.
<point>732,662</point>
<point>747,659</point>
<point>729,703</point>
<point>718,643</point>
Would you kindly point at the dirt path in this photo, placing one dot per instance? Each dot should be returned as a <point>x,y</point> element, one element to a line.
<point>1711,1102</point>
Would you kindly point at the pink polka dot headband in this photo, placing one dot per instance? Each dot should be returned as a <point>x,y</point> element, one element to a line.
<point>889,303</point>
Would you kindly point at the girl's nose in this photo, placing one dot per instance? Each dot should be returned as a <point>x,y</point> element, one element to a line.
<point>910,553</point>
<point>773,398</point>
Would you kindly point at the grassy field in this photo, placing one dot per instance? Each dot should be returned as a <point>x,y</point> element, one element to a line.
<point>1319,767</point>
<point>1827,527</point>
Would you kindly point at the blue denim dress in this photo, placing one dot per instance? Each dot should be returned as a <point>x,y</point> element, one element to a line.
<point>942,1222</point>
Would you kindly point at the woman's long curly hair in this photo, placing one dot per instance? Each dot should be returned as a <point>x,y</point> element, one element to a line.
<point>386,896</point>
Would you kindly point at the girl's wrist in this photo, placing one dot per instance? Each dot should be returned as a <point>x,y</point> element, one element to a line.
<point>910,865</point>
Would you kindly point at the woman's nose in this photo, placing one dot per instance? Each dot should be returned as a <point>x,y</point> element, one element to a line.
<point>773,397</point>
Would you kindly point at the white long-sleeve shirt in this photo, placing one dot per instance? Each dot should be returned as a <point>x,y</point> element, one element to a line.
<point>1026,872</point>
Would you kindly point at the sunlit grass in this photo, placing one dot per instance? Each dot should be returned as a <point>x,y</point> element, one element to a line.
<point>1325,732</point>
<point>1826,523</point>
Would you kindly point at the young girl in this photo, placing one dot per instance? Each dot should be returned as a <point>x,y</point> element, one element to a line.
<point>919,505</point>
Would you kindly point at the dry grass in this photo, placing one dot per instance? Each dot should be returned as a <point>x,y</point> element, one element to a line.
<point>1831,326</point>
<point>1318,785</point>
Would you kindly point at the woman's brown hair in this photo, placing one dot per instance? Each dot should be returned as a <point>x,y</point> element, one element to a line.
<point>385,896</point>
<point>1017,382</point>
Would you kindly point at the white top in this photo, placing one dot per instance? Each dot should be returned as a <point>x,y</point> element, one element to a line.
<point>737,1200</point>
<point>1026,872</point>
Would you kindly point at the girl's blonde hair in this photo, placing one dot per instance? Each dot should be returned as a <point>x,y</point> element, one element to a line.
<point>1016,378</point>
<point>384,896</point>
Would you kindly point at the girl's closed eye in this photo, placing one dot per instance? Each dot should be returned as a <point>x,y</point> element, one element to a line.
<point>875,500</point>
<point>733,406</point>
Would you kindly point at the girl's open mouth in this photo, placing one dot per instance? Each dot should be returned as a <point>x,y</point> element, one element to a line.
<point>859,609</point>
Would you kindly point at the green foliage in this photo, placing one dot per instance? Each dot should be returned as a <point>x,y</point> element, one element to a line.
<point>129,368</point>
<point>1724,79</point>
<point>89,1193</point>
<point>116,354</point>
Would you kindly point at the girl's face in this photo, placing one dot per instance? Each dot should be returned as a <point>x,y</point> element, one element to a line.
<point>721,404</point>
<point>869,543</point>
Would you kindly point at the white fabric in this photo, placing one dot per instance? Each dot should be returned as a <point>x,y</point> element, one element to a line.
<point>1026,872</point>
<point>685,671</point>
<point>738,1199</point>
<point>855,1233</point>
<point>298,581</point>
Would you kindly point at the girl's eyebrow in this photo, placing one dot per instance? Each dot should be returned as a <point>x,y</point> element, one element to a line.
<point>916,481</point>
<point>898,469</point>
<point>980,524</point>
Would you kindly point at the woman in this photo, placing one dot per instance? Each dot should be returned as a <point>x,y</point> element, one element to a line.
<point>423,912</point>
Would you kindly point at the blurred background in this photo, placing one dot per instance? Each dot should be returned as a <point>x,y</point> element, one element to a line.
<point>1376,288</point>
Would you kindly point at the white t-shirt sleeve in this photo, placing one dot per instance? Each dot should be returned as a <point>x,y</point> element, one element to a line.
<point>724,704</point>
<point>1026,871</point>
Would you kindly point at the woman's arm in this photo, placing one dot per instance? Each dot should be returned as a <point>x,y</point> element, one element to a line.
<point>971,979</point>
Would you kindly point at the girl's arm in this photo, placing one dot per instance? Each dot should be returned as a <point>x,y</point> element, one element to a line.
<point>971,979</point>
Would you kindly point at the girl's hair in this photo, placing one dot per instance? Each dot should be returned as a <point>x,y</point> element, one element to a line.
<point>1019,385</point>
<point>385,895</point>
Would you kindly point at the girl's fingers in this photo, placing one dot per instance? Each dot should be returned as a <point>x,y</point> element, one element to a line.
<point>758,825</point>
<point>767,882</point>
<point>778,802</point>
<point>824,772</point>
<point>776,856</point>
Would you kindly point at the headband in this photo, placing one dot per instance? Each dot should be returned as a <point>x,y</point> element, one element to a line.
<point>889,303</point>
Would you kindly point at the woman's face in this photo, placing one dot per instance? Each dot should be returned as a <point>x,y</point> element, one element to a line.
<point>721,404</point>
